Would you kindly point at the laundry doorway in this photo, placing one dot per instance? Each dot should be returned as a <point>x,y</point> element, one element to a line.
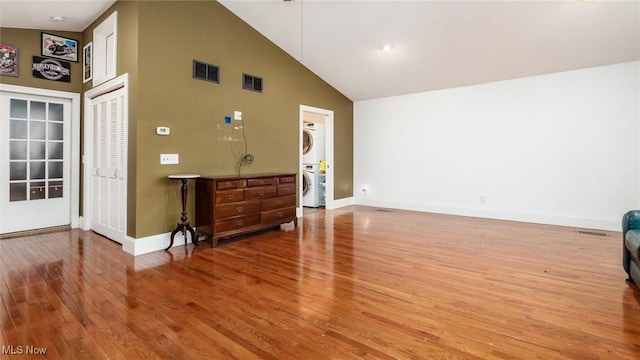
<point>316,159</point>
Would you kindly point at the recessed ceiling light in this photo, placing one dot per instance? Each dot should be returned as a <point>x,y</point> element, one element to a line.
<point>57,18</point>
<point>386,48</point>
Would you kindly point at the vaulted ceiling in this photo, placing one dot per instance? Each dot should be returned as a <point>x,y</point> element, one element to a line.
<point>444,44</point>
<point>433,44</point>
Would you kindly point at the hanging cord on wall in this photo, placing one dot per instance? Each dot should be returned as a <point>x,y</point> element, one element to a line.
<point>301,30</point>
<point>247,158</point>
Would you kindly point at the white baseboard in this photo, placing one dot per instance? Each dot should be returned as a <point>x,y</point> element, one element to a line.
<point>152,243</point>
<point>336,205</point>
<point>339,203</point>
<point>549,219</point>
<point>83,223</point>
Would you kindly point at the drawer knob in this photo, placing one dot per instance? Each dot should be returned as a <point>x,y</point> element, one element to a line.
<point>240,222</point>
<point>229,197</point>
<point>280,202</point>
<point>240,209</point>
<point>261,193</point>
<point>261,182</point>
<point>280,214</point>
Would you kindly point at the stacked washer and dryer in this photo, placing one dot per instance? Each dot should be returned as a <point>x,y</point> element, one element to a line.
<point>313,154</point>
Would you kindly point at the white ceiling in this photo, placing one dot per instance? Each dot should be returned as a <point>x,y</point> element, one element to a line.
<point>36,14</point>
<point>435,44</point>
<point>443,44</point>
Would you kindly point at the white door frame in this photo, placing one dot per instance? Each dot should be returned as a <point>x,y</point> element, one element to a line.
<point>74,141</point>
<point>328,114</point>
<point>121,81</point>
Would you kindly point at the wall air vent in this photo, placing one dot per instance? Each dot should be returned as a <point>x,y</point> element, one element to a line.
<point>250,82</point>
<point>207,72</point>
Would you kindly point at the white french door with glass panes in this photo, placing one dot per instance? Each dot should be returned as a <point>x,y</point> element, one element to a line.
<point>35,169</point>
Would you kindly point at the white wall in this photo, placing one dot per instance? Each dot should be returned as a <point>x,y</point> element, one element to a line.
<point>561,149</point>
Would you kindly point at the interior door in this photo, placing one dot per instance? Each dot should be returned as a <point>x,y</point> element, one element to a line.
<point>108,164</point>
<point>35,168</point>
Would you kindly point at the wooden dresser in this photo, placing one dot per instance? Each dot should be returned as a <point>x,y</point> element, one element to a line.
<point>233,205</point>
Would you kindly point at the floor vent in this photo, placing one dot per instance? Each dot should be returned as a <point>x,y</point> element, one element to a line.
<point>594,233</point>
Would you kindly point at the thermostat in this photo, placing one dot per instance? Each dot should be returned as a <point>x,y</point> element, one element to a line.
<point>163,130</point>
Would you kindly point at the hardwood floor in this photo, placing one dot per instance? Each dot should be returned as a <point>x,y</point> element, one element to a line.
<point>353,283</point>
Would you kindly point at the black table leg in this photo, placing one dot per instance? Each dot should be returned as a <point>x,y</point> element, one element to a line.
<point>183,225</point>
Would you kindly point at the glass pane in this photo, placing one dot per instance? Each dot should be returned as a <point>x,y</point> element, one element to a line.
<point>55,150</point>
<point>18,150</point>
<point>55,131</point>
<point>55,112</point>
<point>38,110</point>
<point>55,169</point>
<point>18,108</point>
<point>18,170</point>
<point>18,129</point>
<point>36,190</point>
<point>37,150</point>
<point>18,192</point>
<point>38,130</point>
<point>37,170</point>
<point>55,189</point>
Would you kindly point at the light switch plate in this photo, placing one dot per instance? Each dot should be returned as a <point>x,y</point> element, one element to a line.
<point>237,115</point>
<point>168,159</point>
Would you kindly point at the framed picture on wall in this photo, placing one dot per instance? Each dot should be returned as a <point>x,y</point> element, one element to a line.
<point>8,60</point>
<point>87,56</point>
<point>59,47</point>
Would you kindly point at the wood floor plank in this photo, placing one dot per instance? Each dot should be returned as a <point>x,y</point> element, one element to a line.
<point>352,283</point>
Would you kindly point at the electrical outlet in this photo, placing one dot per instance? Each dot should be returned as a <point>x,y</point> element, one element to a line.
<point>168,159</point>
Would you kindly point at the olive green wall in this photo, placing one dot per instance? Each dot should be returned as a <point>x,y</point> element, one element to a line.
<point>28,43</point>
<point>157,42</point>
<point>127,64</point>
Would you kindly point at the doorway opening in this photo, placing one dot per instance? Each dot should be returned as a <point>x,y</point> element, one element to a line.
<point>316,160</point>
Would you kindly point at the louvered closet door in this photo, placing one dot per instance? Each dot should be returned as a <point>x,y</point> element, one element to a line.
<point>108,165</point>
<point>35,153</point>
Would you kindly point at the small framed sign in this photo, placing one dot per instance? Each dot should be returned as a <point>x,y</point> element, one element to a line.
<point>59,47</point>
<point>8,60</point>
<point>86,62</point>
<point>51,69</point>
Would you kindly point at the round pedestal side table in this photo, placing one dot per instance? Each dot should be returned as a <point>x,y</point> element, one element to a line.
<point>183,225</point>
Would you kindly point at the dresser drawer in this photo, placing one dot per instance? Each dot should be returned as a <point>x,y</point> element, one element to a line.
<point>288,179</point>
<point>231,184</point>
<point>279,202</point>
<point>237,223</point>
<point>239,208</point>
<point>228,196</point>
<point>286,189</point>
<point>278,214</point>
<point>261,182</point>
<point>262,192</point>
